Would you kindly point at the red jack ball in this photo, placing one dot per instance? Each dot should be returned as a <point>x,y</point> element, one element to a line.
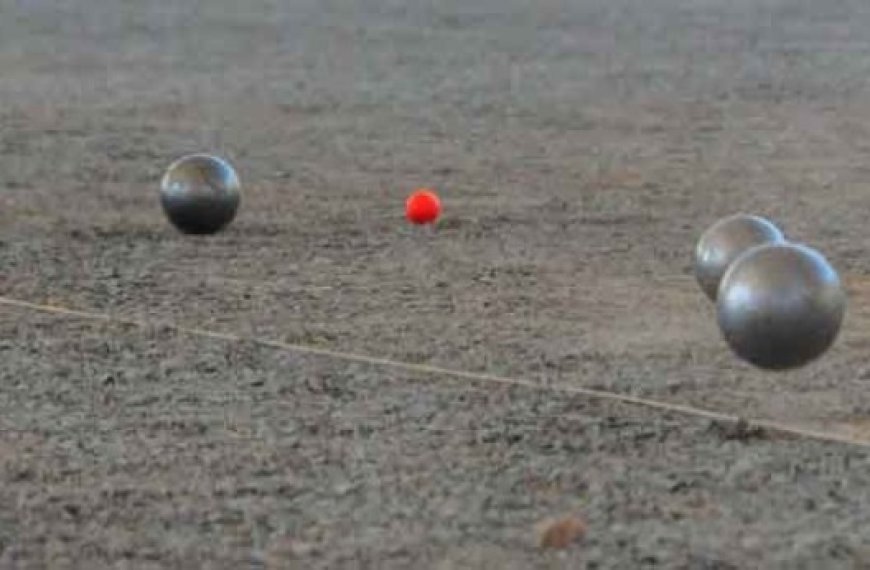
<point>423,207</point>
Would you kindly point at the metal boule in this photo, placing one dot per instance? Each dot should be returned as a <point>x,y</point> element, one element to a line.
<point>780,306</point>
<point>724,241</point>
<point>200,194</point>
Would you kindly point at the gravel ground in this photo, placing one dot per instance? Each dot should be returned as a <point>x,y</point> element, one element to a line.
<point>580,148</point>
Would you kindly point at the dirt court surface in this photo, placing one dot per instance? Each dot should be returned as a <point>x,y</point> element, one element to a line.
<point>580,148</point>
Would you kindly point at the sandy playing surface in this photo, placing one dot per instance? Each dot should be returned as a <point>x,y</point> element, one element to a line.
<point>579,148</point>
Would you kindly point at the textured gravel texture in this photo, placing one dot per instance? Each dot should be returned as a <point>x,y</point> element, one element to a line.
<point>580,148</point>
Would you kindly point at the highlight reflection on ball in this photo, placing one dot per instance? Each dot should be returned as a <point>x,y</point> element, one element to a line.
<point>780,306</point>
<point>724,241</point>
<point>200,194</point>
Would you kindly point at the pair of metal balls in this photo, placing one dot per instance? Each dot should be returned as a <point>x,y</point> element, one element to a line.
<point>200,194</point>
<point>779,305</point>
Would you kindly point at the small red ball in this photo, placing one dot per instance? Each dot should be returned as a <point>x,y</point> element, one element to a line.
<point>423,207</point>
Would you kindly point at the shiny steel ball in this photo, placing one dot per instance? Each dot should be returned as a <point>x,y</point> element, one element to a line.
<point>200,194</point>
<point>780,306</point>
<point>724,241</point>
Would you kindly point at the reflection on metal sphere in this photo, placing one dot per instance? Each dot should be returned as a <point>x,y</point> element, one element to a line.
<point>780,305</point>
<point>724,241</point>
<point>200,194</point>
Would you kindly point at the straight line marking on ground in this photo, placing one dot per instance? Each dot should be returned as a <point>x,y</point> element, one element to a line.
<point>681,409</point>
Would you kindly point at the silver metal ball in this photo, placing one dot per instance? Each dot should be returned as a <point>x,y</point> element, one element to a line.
<point>780,306</point>
<point>724,241</point>
<point>200,194</point>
